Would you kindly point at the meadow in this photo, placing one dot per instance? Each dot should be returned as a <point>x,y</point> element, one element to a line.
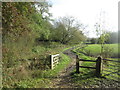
<point>110,50</point>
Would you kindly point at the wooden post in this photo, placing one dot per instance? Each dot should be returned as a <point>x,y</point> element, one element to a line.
<point>77,64</point>
<point>51,61</point>
<point>98,67</point>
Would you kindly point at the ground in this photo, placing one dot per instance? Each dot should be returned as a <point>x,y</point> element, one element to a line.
<point>63,80</point>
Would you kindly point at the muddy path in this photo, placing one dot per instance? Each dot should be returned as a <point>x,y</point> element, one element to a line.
<point>63,80</point>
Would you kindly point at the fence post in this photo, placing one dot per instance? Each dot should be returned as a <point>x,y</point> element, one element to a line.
<point>51,56</point>
<point>98,67</point>
<point>77,64</point>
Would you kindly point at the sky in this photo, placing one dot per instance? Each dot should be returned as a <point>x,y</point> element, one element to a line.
<point>88,12</point>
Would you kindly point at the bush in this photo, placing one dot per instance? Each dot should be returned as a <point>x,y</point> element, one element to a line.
<point>107,52</point>
<point>9,59</point>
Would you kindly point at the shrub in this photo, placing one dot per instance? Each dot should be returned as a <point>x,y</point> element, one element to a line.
<point>107,52</point>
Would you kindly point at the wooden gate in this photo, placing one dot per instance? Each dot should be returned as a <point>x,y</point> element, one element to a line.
<point>111,69</point>
<point>104,67</point>
<point>54,60</point>
<point>97,61</point>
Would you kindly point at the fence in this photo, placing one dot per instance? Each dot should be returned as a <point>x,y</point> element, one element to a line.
<point>97,61</point>
<point>104,67</point>
<point>54,60</point>
<point>111,69</point>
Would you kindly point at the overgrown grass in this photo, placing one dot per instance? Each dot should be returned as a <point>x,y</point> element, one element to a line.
<point>20,74</point>
<point>45,77</point>
<point>33,83</point>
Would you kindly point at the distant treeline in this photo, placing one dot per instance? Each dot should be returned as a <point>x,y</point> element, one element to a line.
<point>112,38</point>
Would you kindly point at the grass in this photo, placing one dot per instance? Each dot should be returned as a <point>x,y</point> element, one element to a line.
<point>111,70</point>
<point>19,56</point>
<point>30,83</point>
<point>86,75</point>
<point>87,78</point>
<point>44,79</point>
<point>65,60</point>
<point>95,49</point>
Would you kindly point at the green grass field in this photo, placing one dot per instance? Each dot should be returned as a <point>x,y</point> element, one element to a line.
<point>95,50</point>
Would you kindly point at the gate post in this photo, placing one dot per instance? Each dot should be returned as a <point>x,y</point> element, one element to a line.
<point>77,64</point>
<point>98,66</point>
<point>51,56</point>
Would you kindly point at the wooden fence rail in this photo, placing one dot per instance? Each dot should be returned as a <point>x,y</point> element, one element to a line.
<point>111,60</point>
<point>98,65</point>
<point>54,60</point>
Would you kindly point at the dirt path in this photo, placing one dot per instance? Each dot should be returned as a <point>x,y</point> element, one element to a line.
<point>64,80</point>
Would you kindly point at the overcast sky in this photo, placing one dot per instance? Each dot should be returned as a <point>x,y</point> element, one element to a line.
<point>88,12</point>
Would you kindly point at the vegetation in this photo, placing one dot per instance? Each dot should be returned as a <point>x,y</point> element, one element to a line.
<point>29,38</point>
<point>25,28</point>
<point>112,39</point>
<point>110,50</point>
<point>87,79</point>
<point>68,31</point>
<point>39,79</point>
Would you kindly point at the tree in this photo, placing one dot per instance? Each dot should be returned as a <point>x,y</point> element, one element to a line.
<point>103,35</point>
<point>15,18</point>
<point>101,31</point>
<point>22,23</point>
<point>43,8</point>
<point>67,30</point>
<point>93,40</point>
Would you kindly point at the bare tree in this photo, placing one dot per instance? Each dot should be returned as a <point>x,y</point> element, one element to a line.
<point>101,31</point>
